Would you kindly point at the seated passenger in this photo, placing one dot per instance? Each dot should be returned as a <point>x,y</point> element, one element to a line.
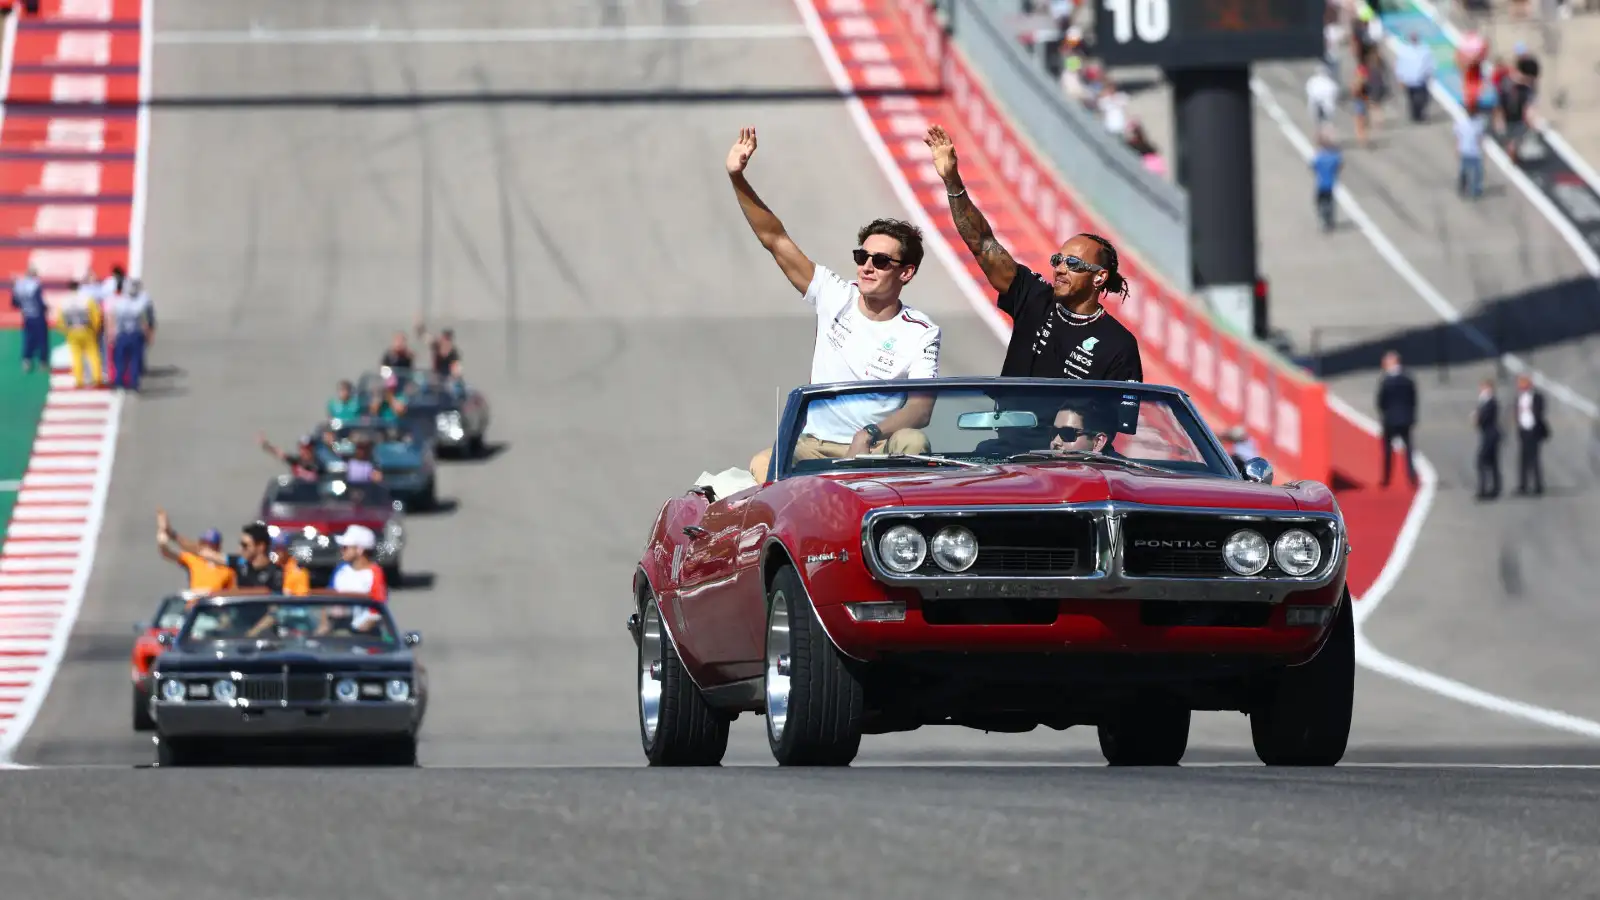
<point>1070,433</point>
<point>358,574</point>
<point>344,404</point>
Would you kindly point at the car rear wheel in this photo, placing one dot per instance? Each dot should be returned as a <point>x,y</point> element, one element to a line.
<point>141,711</point>
<point>676,725</point>
<point>815,704</point>
<point>1305,718</point>
<point>1146,734</point>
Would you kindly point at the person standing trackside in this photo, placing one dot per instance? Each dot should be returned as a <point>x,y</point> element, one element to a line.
<point>1397,410</point>
<point>1414,68</point>
<point>1060,329</point>
<point>864,332</point>
<point>1486,418</point>
<point>1532,431</point>
<point>1469,147</point>
<point>27,296</point>
<point>79,319</point>
<point>1326,164</point>
<point>127,316</point>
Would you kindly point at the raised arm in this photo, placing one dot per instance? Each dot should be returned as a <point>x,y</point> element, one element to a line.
<point>271,449</point>
<point>169,538</point>
<point>769,230</point>
<point>997,264</point>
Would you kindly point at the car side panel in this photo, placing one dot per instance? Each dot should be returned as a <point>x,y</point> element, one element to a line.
<point>710,591</point>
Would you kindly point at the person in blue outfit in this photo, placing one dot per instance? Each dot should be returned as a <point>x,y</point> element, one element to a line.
<point>1326,164</point>
<point>27,295</point>
<point>129,321</point>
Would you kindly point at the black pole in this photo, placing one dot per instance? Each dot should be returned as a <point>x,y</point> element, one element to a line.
<point>1216,165</point>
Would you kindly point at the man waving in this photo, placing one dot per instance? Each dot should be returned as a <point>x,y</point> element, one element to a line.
<point>864,331</point>
<point>1059,327</point>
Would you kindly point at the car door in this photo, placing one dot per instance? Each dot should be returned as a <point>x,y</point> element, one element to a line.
<point>709,594</point>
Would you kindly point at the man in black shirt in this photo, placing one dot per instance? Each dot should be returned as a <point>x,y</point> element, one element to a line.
<point>252,565</point>
<point>1059,327</point>
<point>398,356</point>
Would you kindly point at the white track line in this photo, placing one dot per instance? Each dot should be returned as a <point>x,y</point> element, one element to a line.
<point>56,648</point>
<point>375,35</point>
<point>1367,655</point>
<point>1392,255</point>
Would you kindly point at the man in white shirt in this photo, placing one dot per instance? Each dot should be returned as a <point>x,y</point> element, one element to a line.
<point>1532,431</point>
<point>1322,95</point>
<point>864,332</point>
<point>1414,68</point>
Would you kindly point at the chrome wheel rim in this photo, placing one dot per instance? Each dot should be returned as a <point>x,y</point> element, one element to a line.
<point>650,666</point>
<point>777,672</point>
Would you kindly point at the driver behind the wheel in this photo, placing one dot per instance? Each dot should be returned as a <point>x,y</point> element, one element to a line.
<point>1071,433</point>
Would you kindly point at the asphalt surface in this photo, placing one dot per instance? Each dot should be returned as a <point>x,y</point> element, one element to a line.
<point>630,333</point>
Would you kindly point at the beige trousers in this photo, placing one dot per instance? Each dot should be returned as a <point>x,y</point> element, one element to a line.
<point>906,440</point>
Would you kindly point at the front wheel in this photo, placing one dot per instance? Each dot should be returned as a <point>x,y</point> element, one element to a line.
<point>676,724</point>
<point>815,703</point>
<point>141,711</point>
<point>1305,717</point>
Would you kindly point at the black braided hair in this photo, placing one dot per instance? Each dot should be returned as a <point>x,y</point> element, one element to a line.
<point>1115,283</point>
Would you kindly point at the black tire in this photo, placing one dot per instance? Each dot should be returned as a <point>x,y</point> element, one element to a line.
<point>397,751</point>
<point>1147,734</point>
<point>173,752</point>
<point>392,575</point>
<point>688,731</point>
<point>141,711</point>
<point>821,723</point>
<point>1304,719</point>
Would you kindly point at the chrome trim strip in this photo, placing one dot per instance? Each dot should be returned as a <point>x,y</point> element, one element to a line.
<point>1108,579</point>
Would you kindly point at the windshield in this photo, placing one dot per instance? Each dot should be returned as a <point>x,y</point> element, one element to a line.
<point>1126,425</point>
<point>281,621</point>
<point>171,613</point>
<point>299,492</point>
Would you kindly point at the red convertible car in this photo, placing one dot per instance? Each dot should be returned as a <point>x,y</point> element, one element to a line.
<point>1060,553</point>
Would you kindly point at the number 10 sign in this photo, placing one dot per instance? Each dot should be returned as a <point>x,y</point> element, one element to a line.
<point>1178,34</point>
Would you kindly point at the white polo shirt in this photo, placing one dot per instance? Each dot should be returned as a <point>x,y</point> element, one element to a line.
<point>852,347</point>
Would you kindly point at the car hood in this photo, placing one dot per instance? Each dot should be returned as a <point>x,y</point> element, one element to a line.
<point>328,521</point>
<point>1076,482</point>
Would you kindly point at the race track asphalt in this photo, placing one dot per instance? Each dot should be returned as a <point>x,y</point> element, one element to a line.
<point>630,334</point>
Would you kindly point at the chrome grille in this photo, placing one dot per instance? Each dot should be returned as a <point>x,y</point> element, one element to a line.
<point>1023,560</point>
<point>261,688</point>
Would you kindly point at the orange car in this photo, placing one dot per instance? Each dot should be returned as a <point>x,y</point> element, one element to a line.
<point>146,647</point>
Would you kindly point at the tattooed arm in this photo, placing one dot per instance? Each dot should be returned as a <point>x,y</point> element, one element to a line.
<point>996,263</point>
<point>769,230</point>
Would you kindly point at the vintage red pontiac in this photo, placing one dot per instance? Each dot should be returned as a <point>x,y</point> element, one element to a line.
<point>1053,552</point>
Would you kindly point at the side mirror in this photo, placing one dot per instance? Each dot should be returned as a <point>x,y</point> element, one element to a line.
<point>141,627</point>
<point>413,638</point>
<point>1258,470</point>
<point>164,639</point>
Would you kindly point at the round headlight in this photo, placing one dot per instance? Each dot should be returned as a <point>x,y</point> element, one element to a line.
<point>1297,552</point>
<point>172,690</point>
<point>903,548</point>
<point>1246,552</point>
<point>397,690</point>
<point>955,548</point>
<point>224,690</point>
<point>347,690</point>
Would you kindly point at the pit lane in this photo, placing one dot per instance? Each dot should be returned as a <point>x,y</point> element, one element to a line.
<point>630,333</point>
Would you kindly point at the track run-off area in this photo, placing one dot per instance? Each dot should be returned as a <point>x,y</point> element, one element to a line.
<point>307,178</point>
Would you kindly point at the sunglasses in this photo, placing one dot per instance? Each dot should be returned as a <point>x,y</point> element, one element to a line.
<point>1067,433</point>
<point>1074,263</point>
<point>879,260</point>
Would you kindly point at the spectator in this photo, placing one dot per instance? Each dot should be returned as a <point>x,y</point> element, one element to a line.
<point>27,296</point>
<point>1486,418</point>
<point>1532,431</point>
<point>1414,68</point>
<point>1469,147</point>
<point>1322,94</point>
<point>1241,447</point>
<point>1140,143</point>
<point>1516,103</point>
<point>80,320</point>
<point>1397,409</point>
<point>1361,97</point>
<point>1326,163</point>
<point>1113,107</point>
<point>204,575</point>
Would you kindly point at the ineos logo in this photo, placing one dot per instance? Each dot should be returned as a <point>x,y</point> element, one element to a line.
<point>1178,545</point>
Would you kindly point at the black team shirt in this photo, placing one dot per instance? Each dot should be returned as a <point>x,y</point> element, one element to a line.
<point>1048,342</point>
